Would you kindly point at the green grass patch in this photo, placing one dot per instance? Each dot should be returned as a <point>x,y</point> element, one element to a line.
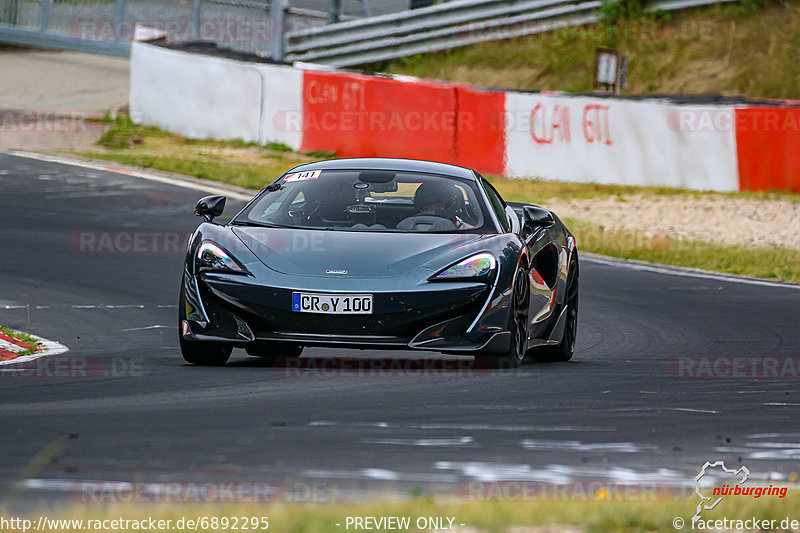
<point>236,162</point>
<point>7,47</point>
<point>591,516</point>
<point>278,147</point>
<point>24,337</point>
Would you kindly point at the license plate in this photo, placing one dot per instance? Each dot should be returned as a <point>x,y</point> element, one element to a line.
<point>332,304</point>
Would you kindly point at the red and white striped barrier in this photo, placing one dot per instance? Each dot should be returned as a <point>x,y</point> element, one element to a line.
<point>544,135</point>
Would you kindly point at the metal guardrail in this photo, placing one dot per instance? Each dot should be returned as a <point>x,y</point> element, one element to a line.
<point>106,26</point>
<point>453,24</point>
<point>297,31</point>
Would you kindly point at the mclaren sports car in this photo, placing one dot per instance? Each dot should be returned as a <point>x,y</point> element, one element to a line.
<point>379,253</point>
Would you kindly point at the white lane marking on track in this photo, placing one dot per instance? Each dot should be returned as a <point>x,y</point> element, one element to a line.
<point>492,472</point>
<point>683,409</point>
<point>50,348</point>
<point>381,474</point>
<point>131,306</point>
<point>463,427</point>
<point>454,441</point>
<point>214,189</point>
<point>672,272</point>
<point>772,435</point>
<point>157,326</point>
<point>88,306</point>
<point>574,445</point>
<point>68,485</point>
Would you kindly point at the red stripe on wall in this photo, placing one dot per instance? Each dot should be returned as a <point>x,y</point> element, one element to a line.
<point>768,148</point>
<point>368,116</point>
<point>480,136</point>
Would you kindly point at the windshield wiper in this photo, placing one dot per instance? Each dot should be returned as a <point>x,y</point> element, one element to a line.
<point>252,224</point>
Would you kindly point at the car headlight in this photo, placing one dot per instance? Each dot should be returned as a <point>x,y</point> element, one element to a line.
<point>212,257</point>
<point>478,266</point>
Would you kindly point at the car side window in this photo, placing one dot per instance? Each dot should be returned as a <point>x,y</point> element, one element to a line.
<point>498,205</point>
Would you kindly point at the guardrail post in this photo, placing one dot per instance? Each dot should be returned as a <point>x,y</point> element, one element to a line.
<point>196,8</point>
<point>10,15</point>
<point>334,11</point>
<point>119,17</point>
<point>44,15</point>
<point>277,12</point>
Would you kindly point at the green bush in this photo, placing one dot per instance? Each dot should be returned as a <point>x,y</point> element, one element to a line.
<point>613,11</point>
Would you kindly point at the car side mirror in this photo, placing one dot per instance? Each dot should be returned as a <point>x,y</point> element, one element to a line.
<point>210,207</point>
<point>535,217</point>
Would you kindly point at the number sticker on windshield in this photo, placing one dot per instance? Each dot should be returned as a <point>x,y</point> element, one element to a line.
<point>300,176</point>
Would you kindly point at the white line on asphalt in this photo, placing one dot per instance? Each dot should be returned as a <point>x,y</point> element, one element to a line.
<point>107,167</point>
<point>102,306</point>
<point>675,271</point>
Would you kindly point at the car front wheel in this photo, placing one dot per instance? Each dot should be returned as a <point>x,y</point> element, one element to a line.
<point>205,353</point>
<point>518,323</point>
<point>564,351</point>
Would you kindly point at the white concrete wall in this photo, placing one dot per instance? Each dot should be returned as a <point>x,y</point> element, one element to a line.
<point>281,105</point>
<point>194,95</point>
<point>606,140</point>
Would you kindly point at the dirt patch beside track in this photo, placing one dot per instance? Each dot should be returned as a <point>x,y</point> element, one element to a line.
<point>710,218</point>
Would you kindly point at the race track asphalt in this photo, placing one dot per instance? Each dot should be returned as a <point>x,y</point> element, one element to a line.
<point>121,404</point>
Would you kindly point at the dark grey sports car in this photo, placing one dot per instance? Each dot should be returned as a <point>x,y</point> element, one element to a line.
<point>380,253</point>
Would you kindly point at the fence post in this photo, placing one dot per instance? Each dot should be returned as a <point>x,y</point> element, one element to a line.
<point>119,16</point>
<point>44,15</point>
<point>198,4</point>
<point>277,29</point>
<point>10,15</point>
<point>334,11</point>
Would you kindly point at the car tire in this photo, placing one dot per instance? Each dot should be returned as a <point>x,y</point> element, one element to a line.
<point>272,351</point>
<point>205,353</point>
<point>566,348</point>
<point>198,352</point>
<point>518,323</point>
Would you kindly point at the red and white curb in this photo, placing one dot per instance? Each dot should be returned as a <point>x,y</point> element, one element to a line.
<point>10,346</point>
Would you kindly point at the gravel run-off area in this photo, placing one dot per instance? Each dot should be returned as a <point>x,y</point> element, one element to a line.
<point>712,218</point>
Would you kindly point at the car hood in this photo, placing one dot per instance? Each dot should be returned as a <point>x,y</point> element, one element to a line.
<point>354,254</point>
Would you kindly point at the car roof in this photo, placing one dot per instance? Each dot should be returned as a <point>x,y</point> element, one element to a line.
<point>388,163</point>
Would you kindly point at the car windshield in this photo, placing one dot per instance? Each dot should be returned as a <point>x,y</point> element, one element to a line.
<point>370,200</point>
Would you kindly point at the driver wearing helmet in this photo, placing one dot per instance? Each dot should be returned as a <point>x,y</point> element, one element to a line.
<point>440,199</point>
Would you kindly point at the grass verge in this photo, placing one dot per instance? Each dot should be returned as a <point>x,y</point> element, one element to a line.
<point>492,517</point>
<point>738,49</point>
<point>252,166</point>
<point>233,162</point>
